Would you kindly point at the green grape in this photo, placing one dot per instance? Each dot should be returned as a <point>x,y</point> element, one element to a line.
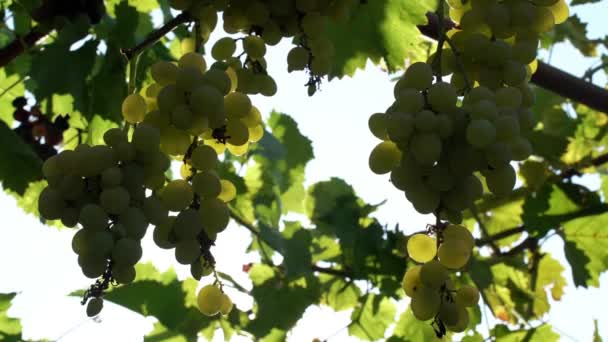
<point>187,45</point>
<point>187,225</point>
<point>454,254</point>
<point>135,223</point>
<point>154,210</point>
<point>111,177</point>
<point>237,105</point>
<point>499,20</point>
<point>480,133</point>
<point>114,200</point>
<point>181,117</point>
<point>400,126</point>
<point>440,178</point>
<point>164,73</point>
<point>543,20</point>
<point>433,274</point>
<point>214,215</point>
<point>442,97</point>
<point>410,100</point>
<point>207,101</point>
<point>204,158</point>
<point>425,121</point>
<point>462,322</point>
<point>418,76</point>
<point>228,192</point>
<point>477,94</point>
<point>163,234</point>
<point>237,150</point>
<point>501,180</point>
<point>72,188</point>
<point>313,24</point>
<point>124,275</point>
<point>52,170</point>
<point>174,141</point>
<point>320,65</point>
<point>426,148</point>
<point>209,300</point>
<point>256,133</point>
<point>421,248</point>
<point>448,312</point>
<point>253,118</point>
<point>192,60</point>
<point>69,217</point>
<point>411,280</point>
<point>238,133</point>
<point>508,97</point>
<point>514,73</point>
<point>188,79</point>
<point>467,296</point>
<point>424,199</point>
<point>199,268</point>
<point>134,108</point>
<point>297,59</point>
<point>168,98</point>
<point>126,252</point>
<point>520,148</point>
<point>455,232</point>
<point>507,127</point>
<point>254,47</point>
<point>384,157</point>
<point>378,123</point>
<point>524,51</point>
<point>268,87</point>
<point>223,49</point>
<point>425,303</point>
<point>483,109</point>
<point>186,251</point>
<point>118,231</point>
<point>560,11</point>
<point>124,151</point>
<point>271,33</point>
<point>94,306</point>
<point>498,154</point>
<point>177,195</point>
<point>92,266</point>
<point>226,305</point>
<point>218,79</point>
<point>207,184</point>
<point>93,217</point>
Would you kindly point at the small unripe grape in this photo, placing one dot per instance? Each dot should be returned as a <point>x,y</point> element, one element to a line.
<point>204,158</point>
<point>228,192</point>
<point>209,300</point>
<point>419,76</point>
<point>425,303</point>
<point>297,59</point>
<point>177,195</point>
<point>384,157</point>
<point>255,47</point>
<point>455,232</point>
<point>226,305</point>
<point>480,133</point>
<point>442,97</point>
<point>223,49</point>
<point>134,108</point>
<point>94,306</point>
<point>433,274</point>
<point>411,280</point>
<point>207,184</point>
<point>454,254</point>
<point>421,247</point>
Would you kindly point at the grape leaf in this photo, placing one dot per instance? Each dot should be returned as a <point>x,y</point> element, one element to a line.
<point>372,317</point>
<point>544,333</point>
<point>19,165</point>
<point>10,328</point>
<point>586,247</point>
<point>338,294</point>
<point>11,86</point>
<point>409,328</point>
<point>379,30</point>
<point>548,277</point>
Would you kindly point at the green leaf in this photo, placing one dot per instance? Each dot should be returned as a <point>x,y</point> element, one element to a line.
<point>372,317</point>
<point>379,30</point>
<point>596,333</point>
<point>339,294</point>
<point>10,328</point>
<point>548,277</point>
<point>586,248</point>
<point>411,329</point>
<point>544,333</point>
<point>297,257</point>
<point>503,218</point>
<point>19,165</point>
<point>11,86</point>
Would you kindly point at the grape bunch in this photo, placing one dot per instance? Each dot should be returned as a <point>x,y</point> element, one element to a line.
<point>266,22</point>
<point>187,101</point>
<point>37,130</point>
<point>103,188</point>
<point>212,300</point>
<point>200,201</point>
<point>432,292</point>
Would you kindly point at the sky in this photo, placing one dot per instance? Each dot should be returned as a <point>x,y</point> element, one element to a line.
<point>37,261</point>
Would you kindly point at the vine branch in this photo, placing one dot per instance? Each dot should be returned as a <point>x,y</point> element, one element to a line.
<point>156,35</point>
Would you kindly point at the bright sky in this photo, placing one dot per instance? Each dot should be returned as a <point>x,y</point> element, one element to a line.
<point>37,261</point>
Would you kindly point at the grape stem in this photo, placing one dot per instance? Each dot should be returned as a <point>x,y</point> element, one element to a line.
<point>465,75</point>
<point>156,35</point>
<point>483,229</point>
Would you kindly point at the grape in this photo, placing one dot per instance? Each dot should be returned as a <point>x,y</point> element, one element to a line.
<point>501,180</point>
<point>424,199</point>
<point>163,234</point>
<point>508,97</point>
<point>400,126</point>
<point>187,225</point>
<point>253,118</point>
<point>207,101</point>
<point>237,105</point>
<point>256,133</point>
<point>114,200</point>
<point>126,252</point>
<point>455,232</point>
<point>498,154</point>
<point>448,312</point>
<point>484,109</point>
<point>223,49</point>
<point>467,296</point>
<point>135,223</point>
<point>226,305</point>
<point>514,73</point>
<point>186,251</point>
<point>425,303</point>
<point>507,127</point>
<point>297,59</point>
<point>111,177</point>
<point>124,275</point>
<point>93,217</point>
<point>320,65</point>
<point>442,97</point>
<point>91,266</point>
<point>268,87</point>
<point>181,117</point>
<point>164,73</point>
<point>228,192</point>
<point>520,148</point>
<point>207,184</point>
<point>384,157</point>
<point>238,133</point>
<point>255,47</point>
<point>425,121</point>
<point>177,195</point>
<point>313,24</point>
<point>560,11</point>
<point>411,280</point>
<point>426,148</point>
<point>433,274</point>
<point>209,300</point>
<point>193,60</point>
<point>154,210</point>
<point>94,306</point>
<point>462,322</point>
<point>419,76</point>
<point>409,100</point>
<point>69,217</point>
<point>454,254</point>
<point>440,178</point>
<point>214,215</point>
<point>481,133</point>
<point>52,170</point>
<point>421,247</point>
<point>204,158</point>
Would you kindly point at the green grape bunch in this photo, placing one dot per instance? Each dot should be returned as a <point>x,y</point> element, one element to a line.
<point>432,292</point>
